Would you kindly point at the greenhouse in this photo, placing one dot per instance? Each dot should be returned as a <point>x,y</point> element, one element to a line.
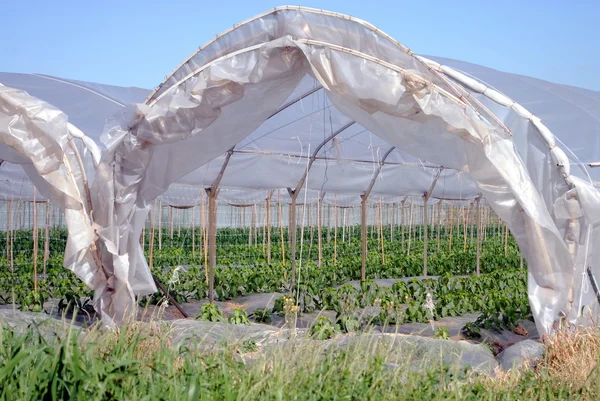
<point>296,139</point>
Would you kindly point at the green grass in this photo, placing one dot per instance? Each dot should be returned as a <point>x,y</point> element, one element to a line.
<point>144,365</point>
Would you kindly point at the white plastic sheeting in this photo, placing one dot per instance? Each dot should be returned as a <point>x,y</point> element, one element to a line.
<point>38,137</point>
<point>221,98</point>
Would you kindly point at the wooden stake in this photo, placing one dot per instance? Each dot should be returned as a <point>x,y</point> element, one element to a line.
<point>381,230</point>
<point>178,222</point>
<point>47,237</point>
<point>466,222</point>
<point>251,228</point>
<point>425,236</point>
<point>35,241</point>
<point>160,210</point>
<point>319,233</point>
<point>344,225</point>
<point>151,246</point>
<point>363,227</point>
<point>268,206</point>
<point>439,226</point>
<point>212,242</point>
<point>204,237</point>
<point>410,221</point>
<point>171,222</point>
<point>193,233</point>
<point>402,221</point>
<point>281,227</point>
<point>478,235</point>
<point>292,234</point>
<point>451,225</point>
<point>506,240</point>
<point>335,229</point>
<point>392,220</point>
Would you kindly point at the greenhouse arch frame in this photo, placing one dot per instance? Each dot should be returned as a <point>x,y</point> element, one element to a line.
<point>228,88</point>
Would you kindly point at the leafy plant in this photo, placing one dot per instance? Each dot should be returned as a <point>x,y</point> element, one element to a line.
<point>248,346</point>
<point>348,323</point>
<point>72,303</point>
<point>441,333</point>
<point>262,315</point>
<point>33,301</point>
<point>471,331</point>
<point>322,329</point>
<point>210,312</point>
<point>238,316</point>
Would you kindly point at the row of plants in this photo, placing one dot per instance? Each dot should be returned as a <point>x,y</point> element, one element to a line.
<point>244,270</point>
<point>500,297</point>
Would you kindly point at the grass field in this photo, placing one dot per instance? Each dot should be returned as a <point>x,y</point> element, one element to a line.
<point>142,363</point>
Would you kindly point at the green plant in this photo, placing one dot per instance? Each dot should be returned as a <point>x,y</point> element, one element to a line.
<point>238,316</point>
<point>441,333</point>
<point>33,301</point>
<point>248,346</point>
<point>210,312</point>
<point>72,303</point>
<point>262,315</point>
<point>322,329</point>
<point>471,331</point>
<point>348,323</point>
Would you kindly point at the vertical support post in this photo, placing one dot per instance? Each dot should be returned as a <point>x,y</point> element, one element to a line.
<point>151,245</point>
<point>212,242</point>
<point>255,224</point>
<point>410,221</point>
<point>328,224</point>
<point>319,230</point>
<point>47,237</point>
<point>292,234</point>
<point>281,227</point>
<point>178,222</point>
<point>425,232</point>
<point>402,221</point>
<point>505,240</point>
<point>251,228</point>
<point>466,224</point>
<point>381,230</point>
<point>204,237</point>
<point>193,232</point>
<point>268,228</point>
<point>451,225</point>
<point>478,235</point>
<point>363,227</point>
<point>344,225</point>
<point>35,242</point>
<point>439,225</point>
<point>426,220</point>
<point>160,210</point>
<point>171,222</point>
<point>8,230</point>
<point>392,221</point>
<point>335,230</point>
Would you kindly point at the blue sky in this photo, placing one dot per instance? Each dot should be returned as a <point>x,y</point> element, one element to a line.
<point>136,43</point>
